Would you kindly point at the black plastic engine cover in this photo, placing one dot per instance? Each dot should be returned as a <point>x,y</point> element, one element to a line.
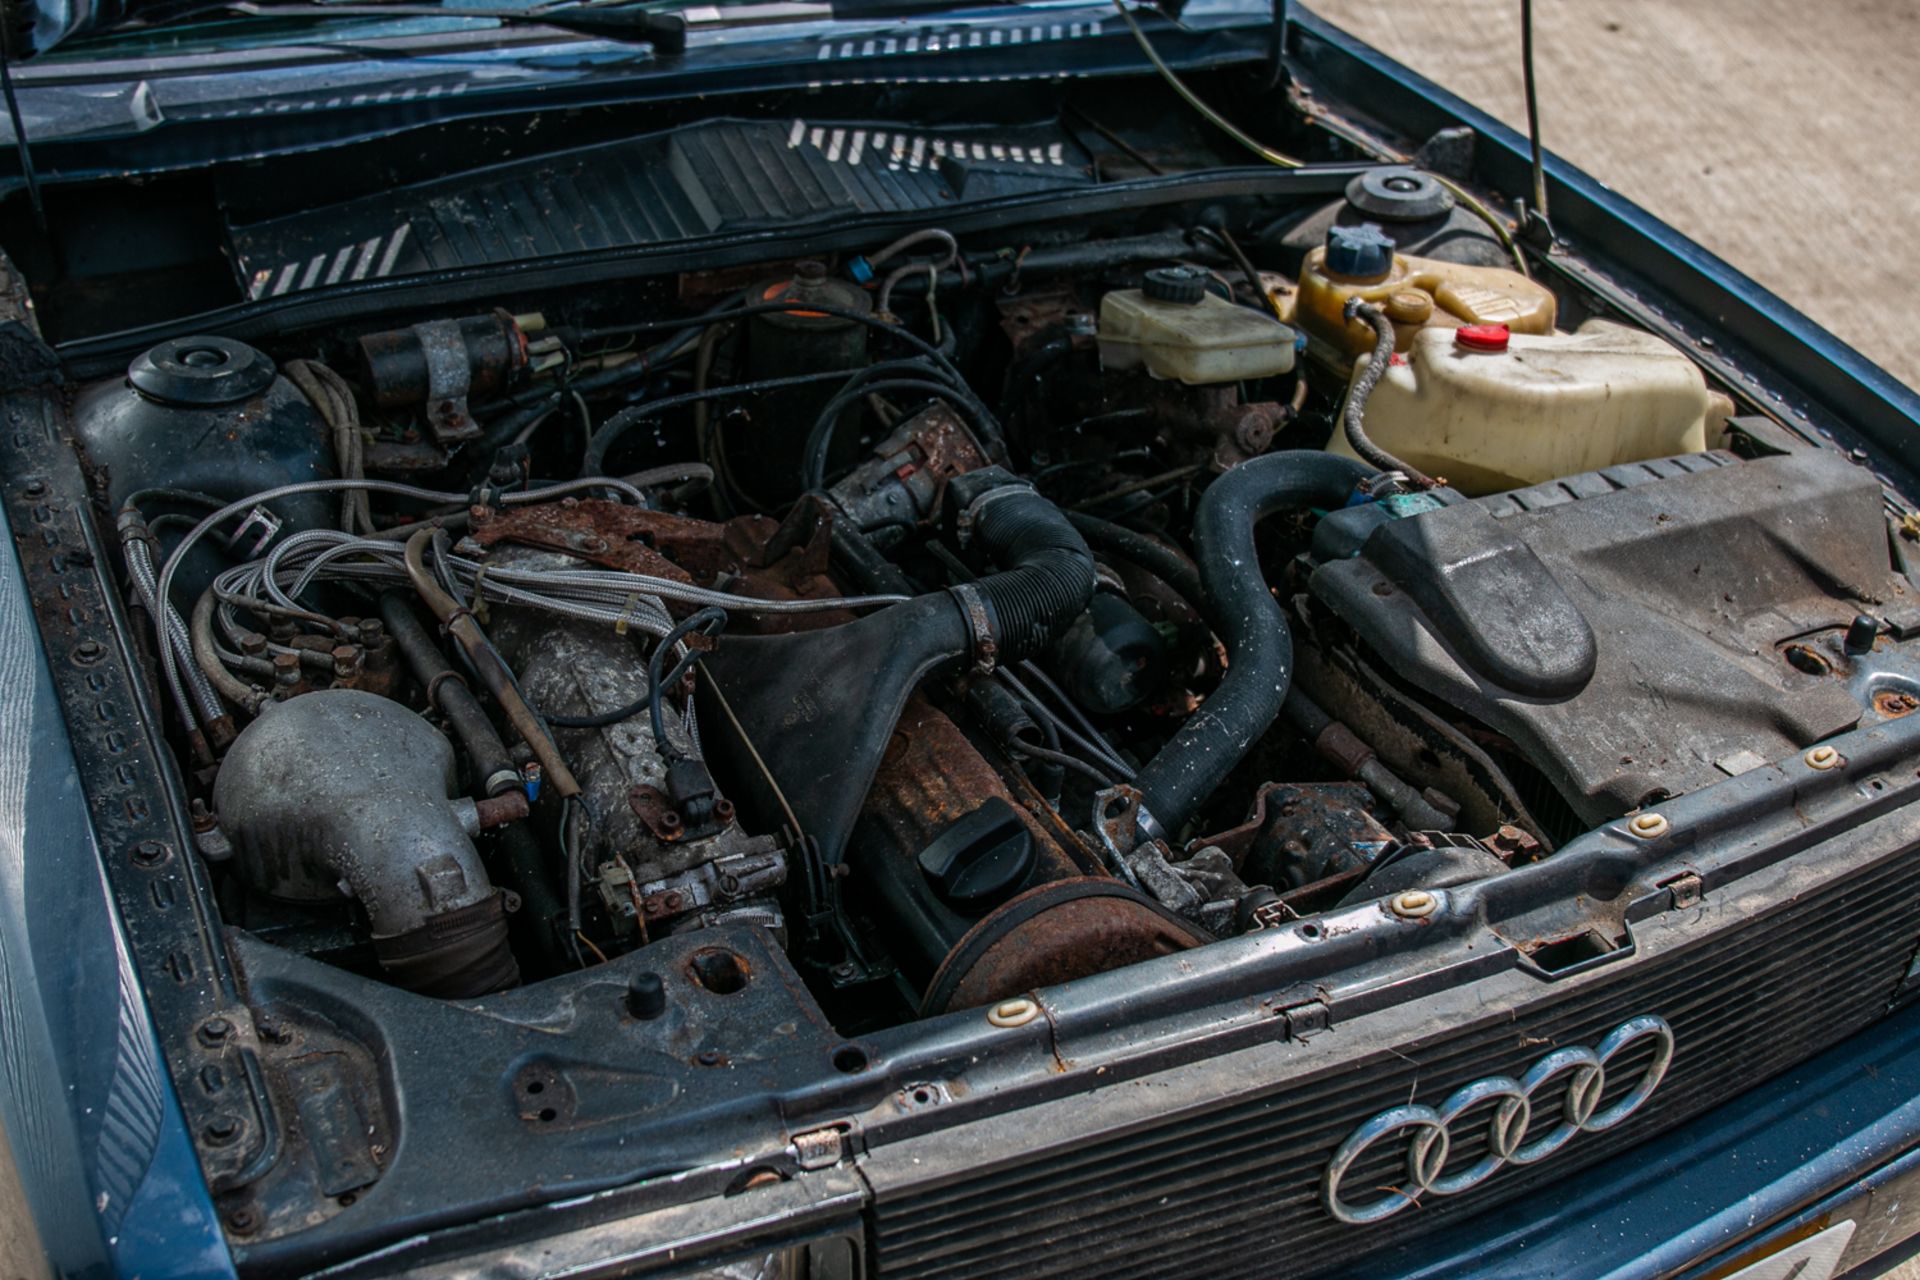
<point>1624,627</point>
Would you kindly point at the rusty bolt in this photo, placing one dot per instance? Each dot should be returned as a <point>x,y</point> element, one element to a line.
<point>149,853</point>
<point>669,819</point>
<point>1893,704</point>
<point>1413,904</point>
<point>346,661</point>
<point>215,1030</point>
<point>1649,826</point>
<point>1017,1012</point>
<point>35,487</point>
<point>723,810</point>
<point>222,1129</point>
<point>88,652</point>
<point>1822,757</point>
<point>253,644</point>
<point>1253,430</point>
<point>243,1220</point>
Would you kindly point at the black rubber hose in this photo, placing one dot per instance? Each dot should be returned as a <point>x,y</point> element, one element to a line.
<point>445,690</point>
<point>1156,557</point>
<point>1353,417</point>
<point>1046,576</point>
<point>1243,613</point>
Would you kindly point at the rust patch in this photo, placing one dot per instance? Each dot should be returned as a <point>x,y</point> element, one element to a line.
<point>1052,934</point>
<point>931,776</point>
<point>751,555</point>
<point>1893,704</point>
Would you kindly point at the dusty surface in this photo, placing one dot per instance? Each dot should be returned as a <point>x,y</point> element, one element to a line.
<point>1777,133</point>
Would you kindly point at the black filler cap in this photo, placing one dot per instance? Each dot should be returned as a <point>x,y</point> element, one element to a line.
<point>980,859</point>
<point>1182,285</point>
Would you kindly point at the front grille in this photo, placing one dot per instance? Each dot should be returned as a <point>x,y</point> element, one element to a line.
<point>1236,1190</point>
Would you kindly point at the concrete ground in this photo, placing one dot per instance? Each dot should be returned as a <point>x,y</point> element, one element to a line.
<point>1777,133</point>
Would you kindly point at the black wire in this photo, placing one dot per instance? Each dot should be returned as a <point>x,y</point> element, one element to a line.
<point>1533,110</point>
<point>19,126</point>
<point>820,439</point>
<point>603,440</point>
<point>710,621</point>
<point>194,496</point>
<point>989,427</point>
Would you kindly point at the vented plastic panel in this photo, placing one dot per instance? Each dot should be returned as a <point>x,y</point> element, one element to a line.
<point>722,175</point>
<point>1236,1191</point>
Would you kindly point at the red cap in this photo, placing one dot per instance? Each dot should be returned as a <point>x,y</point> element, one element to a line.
<point>1481,337</point>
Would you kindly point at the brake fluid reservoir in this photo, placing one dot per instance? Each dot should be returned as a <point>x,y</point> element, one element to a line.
<point>1490,410</point>
<point>1416,293</point>
<point>1177,329</point>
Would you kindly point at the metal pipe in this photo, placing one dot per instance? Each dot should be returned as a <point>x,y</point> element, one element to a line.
<point>447,691</point>
<point>493,673</point>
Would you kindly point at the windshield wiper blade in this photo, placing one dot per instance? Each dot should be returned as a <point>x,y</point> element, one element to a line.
<point>630,23</point>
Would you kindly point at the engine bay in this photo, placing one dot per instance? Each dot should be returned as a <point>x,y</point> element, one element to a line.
<point>967,619</point>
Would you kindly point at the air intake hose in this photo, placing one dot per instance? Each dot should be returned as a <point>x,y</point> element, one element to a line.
<point>1243,613</point>
<point>816,708</point>
<point>1047,570</point>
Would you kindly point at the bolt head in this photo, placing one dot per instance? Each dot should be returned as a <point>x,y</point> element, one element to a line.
<point>221,1130</point>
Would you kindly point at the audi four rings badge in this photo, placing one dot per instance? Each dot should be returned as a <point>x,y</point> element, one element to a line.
<point>1429,1137</point>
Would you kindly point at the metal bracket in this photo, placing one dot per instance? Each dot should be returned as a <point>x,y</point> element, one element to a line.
<point>449,379</point>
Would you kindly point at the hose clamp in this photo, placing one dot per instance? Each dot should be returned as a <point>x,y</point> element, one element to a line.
<point>963,524</point>
<point>973,607</point>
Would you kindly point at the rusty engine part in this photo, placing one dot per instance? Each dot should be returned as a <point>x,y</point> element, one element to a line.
<point>442,364</point>
<point>1300,834</point>
<point>982,902</point>
<point>659,841</point>
<point>750,555</point>
<point>904,478</point>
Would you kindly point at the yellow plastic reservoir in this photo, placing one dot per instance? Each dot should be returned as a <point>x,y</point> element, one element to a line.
<point>1490,411</point>
<point>1416,293</point>
<point>1178,330</point>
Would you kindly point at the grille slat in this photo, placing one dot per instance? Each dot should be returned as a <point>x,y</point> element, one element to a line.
<point>1206,1192</point>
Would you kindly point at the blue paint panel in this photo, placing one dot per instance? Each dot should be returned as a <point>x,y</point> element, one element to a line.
<point>105,1160</point>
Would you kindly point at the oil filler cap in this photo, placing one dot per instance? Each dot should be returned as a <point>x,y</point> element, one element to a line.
<point>1481,337</point>
<point>1181,285</point>
<point>981,859</point>
<point>201,370</point>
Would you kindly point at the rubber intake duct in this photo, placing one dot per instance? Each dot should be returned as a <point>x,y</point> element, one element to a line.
<point>816,708</point>
<point>1242,611</point>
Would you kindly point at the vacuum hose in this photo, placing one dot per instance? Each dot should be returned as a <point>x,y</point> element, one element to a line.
<point>1243,613</point>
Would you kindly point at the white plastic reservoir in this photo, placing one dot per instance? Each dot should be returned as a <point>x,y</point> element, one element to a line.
<point>1488,410</point>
